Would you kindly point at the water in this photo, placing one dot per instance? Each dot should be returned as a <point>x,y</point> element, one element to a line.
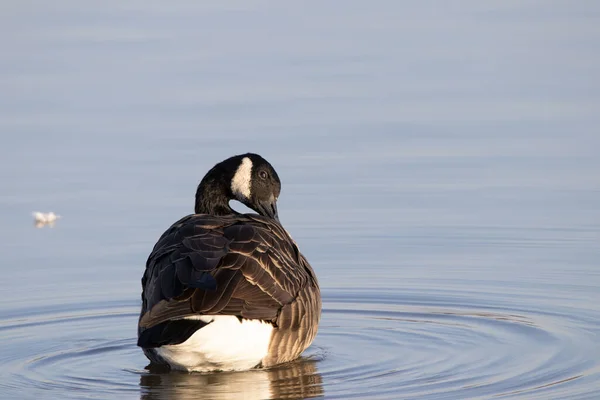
<point>439,165</point>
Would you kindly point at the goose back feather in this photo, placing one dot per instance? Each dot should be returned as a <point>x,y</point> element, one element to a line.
<point>245,266</point>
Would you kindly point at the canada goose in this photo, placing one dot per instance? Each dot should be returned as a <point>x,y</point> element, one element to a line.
<point>224,290</point>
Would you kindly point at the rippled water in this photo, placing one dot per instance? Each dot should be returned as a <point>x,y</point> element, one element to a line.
<point>439,167</point>
<point>384,343</point>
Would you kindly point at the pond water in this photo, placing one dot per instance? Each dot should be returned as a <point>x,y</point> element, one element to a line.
<point>440,171</point>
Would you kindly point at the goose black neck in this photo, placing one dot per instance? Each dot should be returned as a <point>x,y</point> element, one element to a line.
<point>213,193</point>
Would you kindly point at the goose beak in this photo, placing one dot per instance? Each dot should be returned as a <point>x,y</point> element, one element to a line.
<point>268,208</point>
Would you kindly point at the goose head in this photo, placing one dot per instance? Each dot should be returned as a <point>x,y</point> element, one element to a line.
<point>248,178</point>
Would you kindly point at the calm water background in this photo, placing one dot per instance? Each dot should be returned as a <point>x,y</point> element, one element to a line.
<point>441,171</point>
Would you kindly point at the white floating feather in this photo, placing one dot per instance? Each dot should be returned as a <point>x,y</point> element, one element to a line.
<point>45,218</point>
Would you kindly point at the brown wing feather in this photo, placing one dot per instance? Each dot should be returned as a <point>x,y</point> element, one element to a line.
<point>243,265</point>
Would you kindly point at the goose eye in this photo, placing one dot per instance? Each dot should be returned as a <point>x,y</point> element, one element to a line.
<point>263,174</point>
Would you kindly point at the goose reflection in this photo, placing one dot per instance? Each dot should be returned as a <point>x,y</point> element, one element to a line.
<point>298,379</point>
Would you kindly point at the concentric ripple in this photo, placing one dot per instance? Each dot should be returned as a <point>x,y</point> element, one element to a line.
<point>405,344</point>
<point>372,344</point>
<point>75,351</point>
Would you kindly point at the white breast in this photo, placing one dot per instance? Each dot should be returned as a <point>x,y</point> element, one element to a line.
<point>224,344</point>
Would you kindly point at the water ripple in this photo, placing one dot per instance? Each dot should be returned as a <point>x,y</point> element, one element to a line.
<point>372,343</point>
<point>390,344</point>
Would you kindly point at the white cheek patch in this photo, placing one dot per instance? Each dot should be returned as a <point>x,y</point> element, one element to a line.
<point>240,184</point>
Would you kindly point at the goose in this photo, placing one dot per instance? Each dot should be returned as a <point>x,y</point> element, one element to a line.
<point>225,291</point>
